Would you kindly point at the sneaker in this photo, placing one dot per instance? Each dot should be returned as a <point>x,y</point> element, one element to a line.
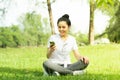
<point>55,73</point>
<point>78,72</point>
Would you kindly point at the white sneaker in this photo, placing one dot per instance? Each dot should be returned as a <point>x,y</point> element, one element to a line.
<point>78,72</point>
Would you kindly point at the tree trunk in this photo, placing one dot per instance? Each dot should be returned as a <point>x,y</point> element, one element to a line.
<point>91,25</point>
<point>50,17</point>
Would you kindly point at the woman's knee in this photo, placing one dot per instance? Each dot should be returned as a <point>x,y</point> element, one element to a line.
<point>46,63</point>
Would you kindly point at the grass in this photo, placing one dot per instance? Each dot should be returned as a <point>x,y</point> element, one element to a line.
<point>26,63</point>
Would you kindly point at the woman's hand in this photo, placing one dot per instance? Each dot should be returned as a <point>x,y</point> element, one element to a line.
<point>85,60</point>
<point>52,48</point>
<point>79,57</point>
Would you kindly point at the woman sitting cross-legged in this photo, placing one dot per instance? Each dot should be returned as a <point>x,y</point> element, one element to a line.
<point>59,49</point>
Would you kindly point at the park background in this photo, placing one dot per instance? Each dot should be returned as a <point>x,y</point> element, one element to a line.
<point>25,28</point>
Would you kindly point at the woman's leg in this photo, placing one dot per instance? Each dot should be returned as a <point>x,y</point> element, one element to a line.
<point>51,67</point>
<point>79,65</point>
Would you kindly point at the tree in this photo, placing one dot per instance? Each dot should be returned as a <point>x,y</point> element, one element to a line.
<point>91,26</point>
<point>17,35</point>
<point>106,6</point>
<point>110,7</point>
<point>114,28</point>
<point>35,29</point>
<point>50,16</point>
<point>6,37</point>
<point>32,28</point>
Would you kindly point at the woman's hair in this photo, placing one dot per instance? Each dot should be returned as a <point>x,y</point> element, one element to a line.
<point>65,18</point>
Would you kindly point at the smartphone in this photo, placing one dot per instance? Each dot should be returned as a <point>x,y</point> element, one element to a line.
<point>52,43</point>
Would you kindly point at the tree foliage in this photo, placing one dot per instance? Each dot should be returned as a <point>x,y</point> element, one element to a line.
<point>34,29</point>
<point>113,30</point>
<point>10,36</point>
<point>110,7</point>
<point>34,32</point>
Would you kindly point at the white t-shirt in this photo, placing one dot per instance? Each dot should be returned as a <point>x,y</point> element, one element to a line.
<point>61,55</point>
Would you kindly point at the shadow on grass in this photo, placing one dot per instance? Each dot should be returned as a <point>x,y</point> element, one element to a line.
<point>7,73</point>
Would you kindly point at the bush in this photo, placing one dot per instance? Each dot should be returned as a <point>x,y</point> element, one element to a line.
<point>82,39</point>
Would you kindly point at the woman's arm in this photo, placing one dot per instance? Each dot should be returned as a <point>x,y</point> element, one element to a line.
<point>79,57</point>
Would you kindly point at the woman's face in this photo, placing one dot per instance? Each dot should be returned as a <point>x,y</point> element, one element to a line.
<point>63,28</point>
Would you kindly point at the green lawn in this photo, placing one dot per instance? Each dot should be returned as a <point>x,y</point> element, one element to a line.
<point>26,63</point>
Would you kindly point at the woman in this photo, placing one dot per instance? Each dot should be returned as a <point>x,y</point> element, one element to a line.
<point>59,49</point>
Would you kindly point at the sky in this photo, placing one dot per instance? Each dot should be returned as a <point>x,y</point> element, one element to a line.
<point>78,11</point>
